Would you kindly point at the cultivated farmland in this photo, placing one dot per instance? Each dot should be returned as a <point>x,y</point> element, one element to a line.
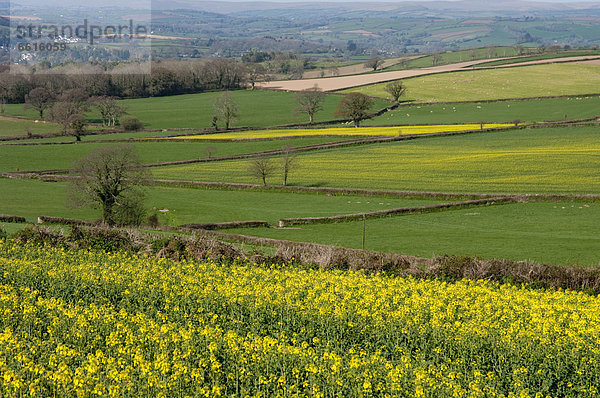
<point>348,131</point>
<point>537,160</point>
<point>212,329</point>
<point>517,82</point>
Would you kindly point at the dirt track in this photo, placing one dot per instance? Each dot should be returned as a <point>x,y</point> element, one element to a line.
<point>342,82</point>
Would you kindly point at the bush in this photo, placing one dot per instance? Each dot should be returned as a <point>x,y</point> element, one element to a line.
<point>3,234</point>
<point>130,211</point>
<point>131,123</point>
<point>106,239</point>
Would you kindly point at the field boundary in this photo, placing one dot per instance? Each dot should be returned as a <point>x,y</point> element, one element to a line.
<point>286,222</point>
<point>227,225</point>
<point>11,218</point>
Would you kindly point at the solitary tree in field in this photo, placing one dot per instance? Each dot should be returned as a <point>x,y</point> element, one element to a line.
<point>288,162</point>
<point>395,90</point>
<point>77,126</point>
<point>110,178</point>
<point>210,151</point>
<point>374,63</point>
<point>310,101</point>
<point>226,109</point>
<point>261,168</point>
<point>256,72</point>
<point>39,99</point>
<point>109,108</point>
<point>354,106</point>
<point>435,58</point>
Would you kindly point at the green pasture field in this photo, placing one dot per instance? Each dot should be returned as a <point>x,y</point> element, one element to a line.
<point>540,160</point>
<point>563,233</point>
<point>257,108</point>
<point>573,53</point>
<point>457,56</point>
<point>518,82</point>
<point>33,198</point>
<point>118,135</point>
<point>53,157</point>
<point>547,109</point>
<point>10,127</point>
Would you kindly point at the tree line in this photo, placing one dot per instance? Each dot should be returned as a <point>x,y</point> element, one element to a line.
<point>124,80</point>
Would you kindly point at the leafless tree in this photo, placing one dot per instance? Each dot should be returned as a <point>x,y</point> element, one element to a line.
<point>310,101</point>
<point>77,124</point>
<point>226,109</point>
<point>354,106</point>
<point>288,162</point>
<point>256,72</point>
<point>110,178</point>
<point>395,90</point>
<point>374,63</point>
<point>61,113</point>
<point>39,99</point>
<point>261,168</point>
<point>210,151</point>
<point>109,108</point>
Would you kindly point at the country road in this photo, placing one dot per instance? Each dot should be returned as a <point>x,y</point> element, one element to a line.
<point>343,82</point>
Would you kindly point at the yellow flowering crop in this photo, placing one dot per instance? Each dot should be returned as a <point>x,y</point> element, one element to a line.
<point>85,323</point>
<point>350,131</point>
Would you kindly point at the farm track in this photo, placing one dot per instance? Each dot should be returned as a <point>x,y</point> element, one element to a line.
<point>344,82</point>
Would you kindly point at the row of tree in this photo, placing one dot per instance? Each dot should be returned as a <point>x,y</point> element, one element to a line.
<point>353,106</point>
<point>127,80</point>
<point>68,108</point>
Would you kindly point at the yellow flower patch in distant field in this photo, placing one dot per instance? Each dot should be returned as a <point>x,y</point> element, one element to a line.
<point>350,131</point>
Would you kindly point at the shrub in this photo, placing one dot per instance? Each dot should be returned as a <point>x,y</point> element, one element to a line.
<point>2,233</point>
<point>130,123</point>
<point>105,239</point>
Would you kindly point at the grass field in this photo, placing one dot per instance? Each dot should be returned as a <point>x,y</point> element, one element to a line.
<point>52,157</point>
<point>347,131</point>
<point>10,127</point>
<point>546,232</point>
<point>548,109</point>
<point>558,160</point>
<point>33,198</point>
<point>257,108</point>
<point>456,57</point>
<point>518,82</point>
<point>574,53</point>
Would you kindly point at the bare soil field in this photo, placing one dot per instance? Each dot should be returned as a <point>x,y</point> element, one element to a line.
<point>343,82</point>
<point>459,33</point>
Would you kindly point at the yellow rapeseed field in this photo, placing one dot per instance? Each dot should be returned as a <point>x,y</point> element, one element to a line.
<point>86,323</point>
<point>350,131</point>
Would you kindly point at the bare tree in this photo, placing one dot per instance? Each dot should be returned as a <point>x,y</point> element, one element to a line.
<point>395,90</point>
<point>261,168</point>
<point>354,106</point>
<point>310,101</point>
<point>226,109</point>
<point>256,72</point>
<point>210,151</point>
<point>374,63</point>
<point>39,99</point>
<point>288,162</point>
<point>435,58</point>
<point>110,178</point>
<point>77,126</point>
<point>109,108</point>
<point>61,113</point>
